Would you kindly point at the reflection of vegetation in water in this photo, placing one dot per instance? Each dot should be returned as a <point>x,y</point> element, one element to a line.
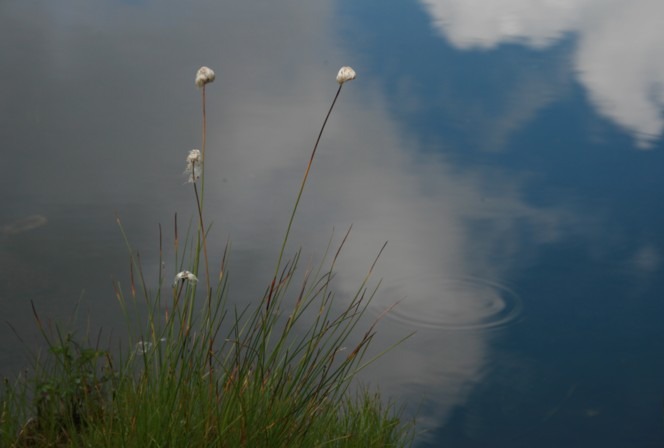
<point>199,372</point>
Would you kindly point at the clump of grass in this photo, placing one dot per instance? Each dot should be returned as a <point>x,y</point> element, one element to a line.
<point>199,373</point>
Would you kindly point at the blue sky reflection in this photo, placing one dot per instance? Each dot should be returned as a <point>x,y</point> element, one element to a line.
<point>110,111</point>
<point>617,55</point>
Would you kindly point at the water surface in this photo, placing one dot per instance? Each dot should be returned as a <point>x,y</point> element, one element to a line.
<point>510,152</point>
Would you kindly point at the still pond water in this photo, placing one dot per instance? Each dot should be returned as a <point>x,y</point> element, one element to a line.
<point>509,151</point>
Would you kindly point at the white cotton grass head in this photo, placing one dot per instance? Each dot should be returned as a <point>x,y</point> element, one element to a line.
<point>345,74</point>
<point>143,347</point>
<point>185,276</point>
<point>204,75</point>
<point>194,165</point>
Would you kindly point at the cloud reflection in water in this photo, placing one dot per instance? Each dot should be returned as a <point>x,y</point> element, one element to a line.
<point>370,173</point>
<point>617,59</point>
<point>444,223</point>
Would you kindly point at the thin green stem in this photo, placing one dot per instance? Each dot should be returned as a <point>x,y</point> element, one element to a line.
<point>299,196</point>
<point>203,142</point>
<point>204,241</point>
<point>202,237</point>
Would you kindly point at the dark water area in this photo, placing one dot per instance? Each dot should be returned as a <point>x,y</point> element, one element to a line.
<point>510,152</point>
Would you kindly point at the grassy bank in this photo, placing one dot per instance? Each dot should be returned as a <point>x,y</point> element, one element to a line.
<point>198,371</point>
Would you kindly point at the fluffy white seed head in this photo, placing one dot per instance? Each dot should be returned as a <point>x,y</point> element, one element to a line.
<point>143,348</point>
<point>194,165</point>
<point>185,276</point>
<point>204,75</point>
<point>345,74</point>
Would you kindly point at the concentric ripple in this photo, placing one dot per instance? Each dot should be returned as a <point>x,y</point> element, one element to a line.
<point>456,304</point>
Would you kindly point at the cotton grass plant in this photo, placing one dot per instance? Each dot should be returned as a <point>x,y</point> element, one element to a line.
<point>197,371</point>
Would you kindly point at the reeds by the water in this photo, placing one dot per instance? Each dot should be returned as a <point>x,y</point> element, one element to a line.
<point>200,372</point>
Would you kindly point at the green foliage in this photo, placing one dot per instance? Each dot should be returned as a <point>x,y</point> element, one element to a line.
<point>199,372</point>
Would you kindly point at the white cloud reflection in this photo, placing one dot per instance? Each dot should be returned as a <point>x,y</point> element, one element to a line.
<point>618,58</point>
<point>452,232</point>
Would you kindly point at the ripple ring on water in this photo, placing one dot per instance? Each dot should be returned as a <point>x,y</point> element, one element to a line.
<point>460,304</point>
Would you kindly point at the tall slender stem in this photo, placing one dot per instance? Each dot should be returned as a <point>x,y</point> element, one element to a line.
<point>299,195</point>
<point>204,243</point>
<point>202,238</point>
<point>203,142</point>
